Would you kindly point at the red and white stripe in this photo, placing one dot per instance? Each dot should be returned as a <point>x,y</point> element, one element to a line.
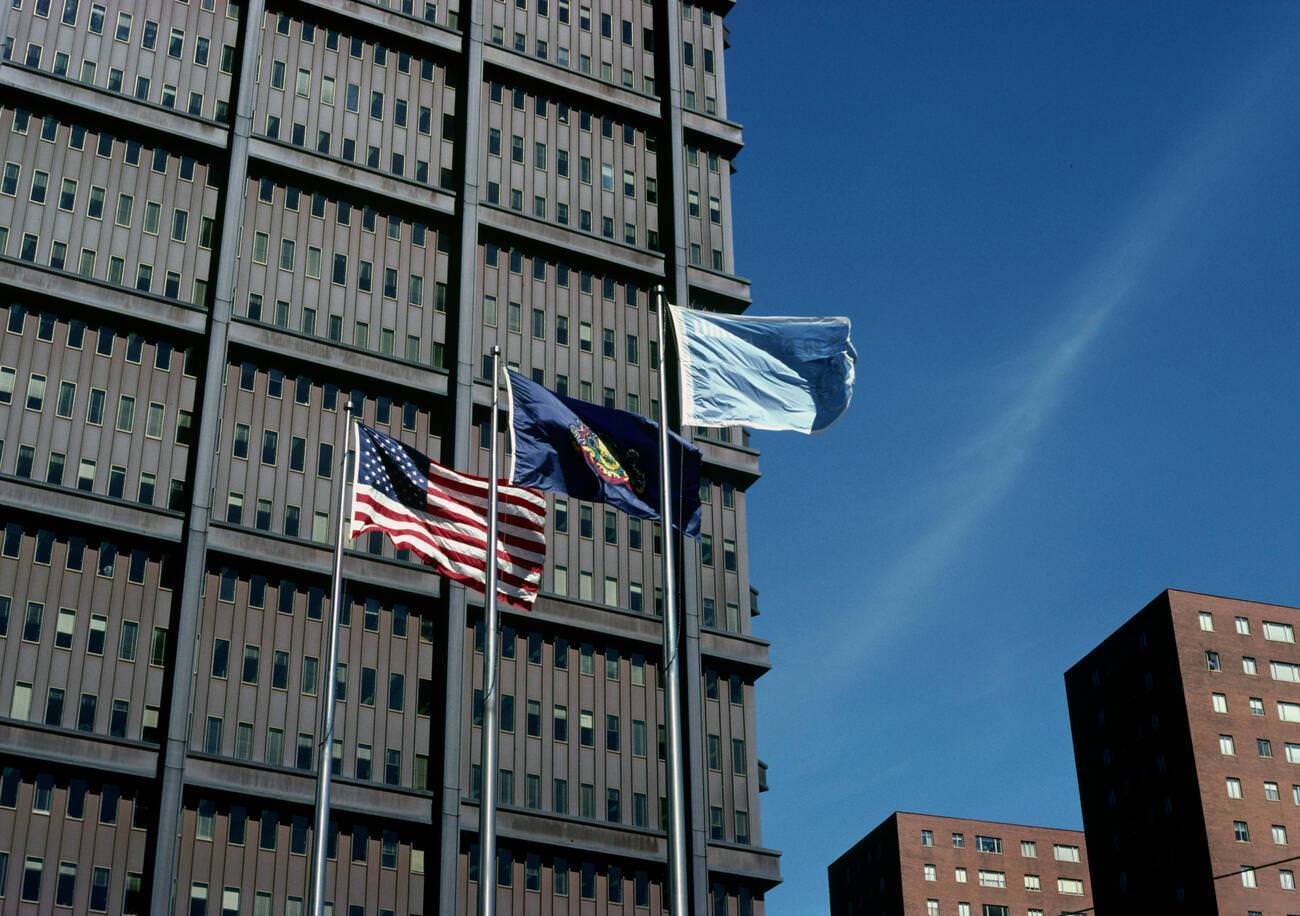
<point>452,534</point>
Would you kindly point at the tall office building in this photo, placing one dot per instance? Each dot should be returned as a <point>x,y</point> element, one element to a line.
<point>1186,725</point>
<point>948,866</point>
<point>219,222</point>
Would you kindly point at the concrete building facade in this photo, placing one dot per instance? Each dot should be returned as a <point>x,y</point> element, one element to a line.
<point>219,223</point>
<point>929,865</point>
<point>1186,725</point>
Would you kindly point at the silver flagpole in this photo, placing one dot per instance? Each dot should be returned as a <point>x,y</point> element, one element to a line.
<point>487,812</point>
<point>324,770</point>
<point>671,664</point>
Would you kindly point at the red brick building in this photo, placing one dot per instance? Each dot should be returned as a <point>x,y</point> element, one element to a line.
<point>1186,725</point>
<point>928,865</point>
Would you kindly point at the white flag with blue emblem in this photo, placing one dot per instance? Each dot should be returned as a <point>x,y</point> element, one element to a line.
<point>767,373</point>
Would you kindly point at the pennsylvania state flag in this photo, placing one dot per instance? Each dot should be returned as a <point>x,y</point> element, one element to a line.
<point>597,453</point>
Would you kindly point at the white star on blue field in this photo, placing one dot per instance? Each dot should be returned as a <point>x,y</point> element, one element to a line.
<point>387,466</point>
<point>1066,234</point>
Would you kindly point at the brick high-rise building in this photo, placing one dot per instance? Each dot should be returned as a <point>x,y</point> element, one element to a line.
<point>218,221</point>
<point>1186,725</point>
<point>926,865</point>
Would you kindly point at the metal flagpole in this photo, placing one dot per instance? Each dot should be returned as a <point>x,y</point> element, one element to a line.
<point>325,747</point>
<point>671,663</point>
<point>487,812</point>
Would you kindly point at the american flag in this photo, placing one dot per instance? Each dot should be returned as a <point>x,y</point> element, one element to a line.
<point>441,516</point>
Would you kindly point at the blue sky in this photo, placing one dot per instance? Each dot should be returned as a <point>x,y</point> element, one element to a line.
<point>1067,236</point>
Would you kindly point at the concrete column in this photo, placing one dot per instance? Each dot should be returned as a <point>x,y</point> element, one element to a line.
<point>185,623</point>
<point>461,388</point>
<point>672,166</point>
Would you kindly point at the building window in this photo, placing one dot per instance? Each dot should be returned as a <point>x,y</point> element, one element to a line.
<point>1070,886</point>
<point>1279,632</point>
<point>1284,671</point>
<point>1207,622</point>
<point>1212,660</point>
<point>32,869</point>
<point>1219,702</point>
<point>1243,626</point>
<point>99,884</point>
<point>738,767</point>
<point>32,622</point>
<point>64,627</point>
<point>36,392</point>
<point>931,873</point>
<point>991,844</point>
<point>1233,787</point>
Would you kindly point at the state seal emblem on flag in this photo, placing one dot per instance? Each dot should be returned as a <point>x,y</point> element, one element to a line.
<point>598,456</point>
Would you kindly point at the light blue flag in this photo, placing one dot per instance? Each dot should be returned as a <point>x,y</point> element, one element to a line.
<point>768,373</point>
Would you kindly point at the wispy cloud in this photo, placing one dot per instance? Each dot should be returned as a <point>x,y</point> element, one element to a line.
<point>978,474</point>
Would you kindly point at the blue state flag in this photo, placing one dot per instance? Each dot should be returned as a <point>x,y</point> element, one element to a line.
<point>768,373</point>
<point>597,453</point>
